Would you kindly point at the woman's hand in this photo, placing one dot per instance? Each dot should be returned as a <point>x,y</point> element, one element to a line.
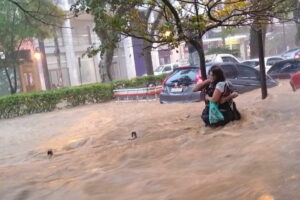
<point>200,85</point>
<point>207,98</point>
<point>234,95</point>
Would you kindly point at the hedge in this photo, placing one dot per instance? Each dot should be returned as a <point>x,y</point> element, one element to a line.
<point>37,102</point>
<point>139,82</point>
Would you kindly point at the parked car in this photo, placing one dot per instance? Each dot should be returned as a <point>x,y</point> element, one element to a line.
<point>285,69</point>
<point>295,81</point>
<point>177,87</point>
<point>219,58</point>
<point>165,69</point>
<point>269,61</point>
<point>292,53</point>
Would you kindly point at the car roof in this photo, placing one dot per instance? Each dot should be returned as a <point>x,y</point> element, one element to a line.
<point>288,60</point>
<point>291,50</point>
<point>273,57</point>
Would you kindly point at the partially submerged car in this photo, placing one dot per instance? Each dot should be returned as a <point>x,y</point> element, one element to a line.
<point>177,87</point>
<point>285,69</point>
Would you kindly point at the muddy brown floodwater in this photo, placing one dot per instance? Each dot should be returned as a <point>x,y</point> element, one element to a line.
<point>173,158</point>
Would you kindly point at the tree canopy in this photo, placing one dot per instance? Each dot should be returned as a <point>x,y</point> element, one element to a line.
<point>182,20</point>
<point>20,20</point>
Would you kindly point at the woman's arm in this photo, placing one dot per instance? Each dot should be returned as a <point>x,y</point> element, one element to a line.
<point>229,97</point>
<point>216,96</point>
<point>201,85</point>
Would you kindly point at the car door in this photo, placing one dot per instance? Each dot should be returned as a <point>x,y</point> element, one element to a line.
<point>248,78</point>
<point>281,69</point>
<point>290,70</point>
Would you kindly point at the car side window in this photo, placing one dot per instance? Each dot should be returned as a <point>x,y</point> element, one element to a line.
<point>247,73</point>
<point>168,68</point>
<point>272,61</point>
<point>175,66</point>
<point>230,71</point>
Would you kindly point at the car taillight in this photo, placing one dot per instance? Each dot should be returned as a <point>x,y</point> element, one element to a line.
<point>198,77</point>
<point>297,55</point>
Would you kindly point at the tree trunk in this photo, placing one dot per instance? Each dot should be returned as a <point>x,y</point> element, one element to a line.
<point>263,79</point>
<point>57,53</point>
<point>11,87</point>
<point>105,65</point>
<point>254,49</point>
<point>15,79</point>
<point>297,21</point>
<point>198,45</point>
<point>45,64</point>
<point>223,35</point>
<point>106,57</point>
<point>297,37</point>
<point>147,46</point>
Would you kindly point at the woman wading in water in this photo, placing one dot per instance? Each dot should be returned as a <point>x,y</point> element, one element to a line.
<point>218,91</point>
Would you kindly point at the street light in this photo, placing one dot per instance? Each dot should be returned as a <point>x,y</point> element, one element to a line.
<point>167,33</point>
<point>2,56</point>
<point>37,55</point>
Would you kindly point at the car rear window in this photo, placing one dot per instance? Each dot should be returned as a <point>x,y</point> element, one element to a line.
<point>186,76</point>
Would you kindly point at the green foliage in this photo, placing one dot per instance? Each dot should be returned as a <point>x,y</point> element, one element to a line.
<point>23,104</point>
<point>22,20</point>
<point>219,50</point>
<point>139,81</point>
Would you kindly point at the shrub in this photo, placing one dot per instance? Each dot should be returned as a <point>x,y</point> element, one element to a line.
<point>37,102</point>
<point>139,81</point>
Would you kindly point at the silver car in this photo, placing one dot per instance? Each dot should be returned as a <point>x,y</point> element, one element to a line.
<point>291,54</point>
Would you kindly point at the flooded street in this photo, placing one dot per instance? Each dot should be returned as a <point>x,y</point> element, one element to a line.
<point>173,158</point>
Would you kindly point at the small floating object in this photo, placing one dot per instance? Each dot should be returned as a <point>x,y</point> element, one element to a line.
<point>50,153</point>
<point>133,135</point>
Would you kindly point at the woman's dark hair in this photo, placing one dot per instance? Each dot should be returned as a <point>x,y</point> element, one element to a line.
<point>218,72</point>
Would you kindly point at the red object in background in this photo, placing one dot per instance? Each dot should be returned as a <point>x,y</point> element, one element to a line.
<point>295,81</point>
<point>297,55</point>
<point>198,78</point>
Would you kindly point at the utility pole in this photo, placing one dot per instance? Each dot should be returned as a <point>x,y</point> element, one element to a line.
<point>263,80</point>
